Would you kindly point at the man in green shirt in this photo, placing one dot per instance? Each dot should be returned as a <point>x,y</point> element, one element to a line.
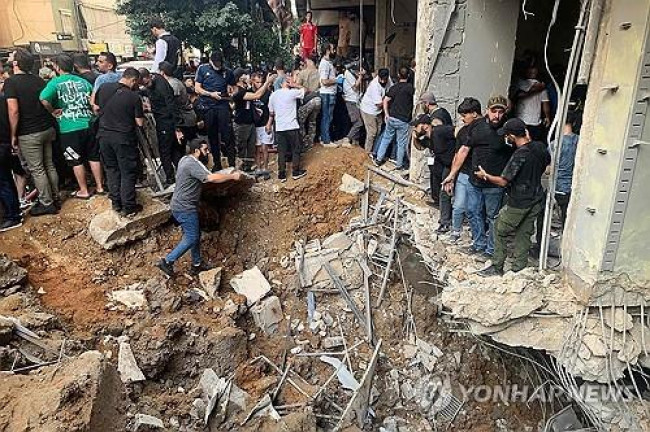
<point>67,97</point>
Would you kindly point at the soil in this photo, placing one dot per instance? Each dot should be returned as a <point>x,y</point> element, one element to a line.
<point>181,334</point>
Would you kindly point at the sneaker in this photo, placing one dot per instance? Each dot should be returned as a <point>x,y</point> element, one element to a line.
<point>282,176</point>
<point>378,162</point>
<point>330,145</point>
<point>10,224</point>
<point>491,271</point>
<point>25,204</point>
<point>198,268</point>
<point>39,209</point>
<point>442,229</point>
<point>299,174</point>
<point>166,267</point>
<point>344,142</point>
<point>129,213</point>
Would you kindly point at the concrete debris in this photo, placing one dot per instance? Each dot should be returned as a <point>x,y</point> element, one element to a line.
<point>11,274</point>
<point>110,230</point>
<point>344,376</point>
<point>339,240</point>
<point>127,365</point>
<point>333,342</point>
<point>210,281</point>
<point>428,354</point>
<point>215,390</point>
<point>263,408</point>
<point>252,284</point>
<point>211,190</point>
<point>620,322</point>
<point>145,423</point>
<point>547,334</point>
<point>351,185</point>
<point>130,297</point>
<point>267,314</point>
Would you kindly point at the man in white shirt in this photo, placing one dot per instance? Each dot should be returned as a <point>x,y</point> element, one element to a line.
<point>533,104</point>
<point>351,84</point>
<point>327,74</point>
<point>283,111</point>
<point>168,47</point>
<point>372,107</point>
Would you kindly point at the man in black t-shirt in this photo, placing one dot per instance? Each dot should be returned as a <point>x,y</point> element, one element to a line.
<point>261,117</point>
<point>244,126</point>
<point>398,107</point>
<point>522,177</point>
<point>121,113</point>
<point>489,150</point>
<point>83,69</point>
<point>12,217</point>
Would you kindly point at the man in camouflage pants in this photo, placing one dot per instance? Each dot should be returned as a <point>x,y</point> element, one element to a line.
<point>307,116</point>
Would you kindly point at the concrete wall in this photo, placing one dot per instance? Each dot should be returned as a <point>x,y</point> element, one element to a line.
<point>606,121</point>
<point>402,49</point>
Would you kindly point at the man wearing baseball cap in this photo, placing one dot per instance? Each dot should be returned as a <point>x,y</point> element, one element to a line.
<point>522,178</point>
<point>489,150</point>
<point>430,105</point>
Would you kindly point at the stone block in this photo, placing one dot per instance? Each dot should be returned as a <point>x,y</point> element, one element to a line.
<point>332,342</point>
<point>131,298</point>
<point>127,366</point>
<point>110,230</point>
<point>144,423</point>
<point>267,314</point>
<point>210,281</point>
<point>10,273</point>
<point>252,284</point>
<point>351,185</point>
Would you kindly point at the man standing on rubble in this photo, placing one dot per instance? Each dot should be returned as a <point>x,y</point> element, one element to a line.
<point>522,178</point>
<point>190,176</point>
<point>371,107</point>
<point>490,151</point>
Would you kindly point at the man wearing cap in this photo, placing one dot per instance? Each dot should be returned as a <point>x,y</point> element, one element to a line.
<point>439,138</point>
<point>490,151</point>
<point>522,178</point>
<point>244,125</point>
<point>430,106</point>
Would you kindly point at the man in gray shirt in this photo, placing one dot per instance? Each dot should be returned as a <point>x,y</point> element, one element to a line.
<point>190,176</point>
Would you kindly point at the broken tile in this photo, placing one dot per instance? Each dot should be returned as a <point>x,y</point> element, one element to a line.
<point>267,314</point>
<point>252,284</point>
<point>127,365</point>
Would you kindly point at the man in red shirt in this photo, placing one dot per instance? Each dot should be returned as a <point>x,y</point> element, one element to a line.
<point>308,37</point>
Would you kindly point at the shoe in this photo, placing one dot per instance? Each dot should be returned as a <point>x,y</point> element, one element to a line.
<point>442,229</point>
<point>166,267</point>
<point>454,237</point>
<point>299,174</point>
<point>282,176</point>
<point>116,208</point>
<point>491,271</point>
<point>25,204</point>
<point>58,204</point>
<point>132,211</point>
<point>344,142</point>
<point>378,162</point>
<point>330,145</point>
<point>198,268</point>
<point>10,224</point>
<point>39,209</point>
<point>473,251</point>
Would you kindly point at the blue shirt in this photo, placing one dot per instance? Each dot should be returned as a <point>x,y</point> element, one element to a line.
<point>566,163</point>
<point>213,80</point>
<point>105,78</point>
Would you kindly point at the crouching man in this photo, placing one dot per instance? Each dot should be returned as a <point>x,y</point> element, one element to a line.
<point>522,178</point>
<point>190,175</point>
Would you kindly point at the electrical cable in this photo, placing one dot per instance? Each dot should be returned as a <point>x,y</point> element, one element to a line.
<point>22,29</point>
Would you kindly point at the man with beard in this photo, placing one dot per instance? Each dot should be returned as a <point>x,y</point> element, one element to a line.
<point>522,178</point>
<point>490,151</point>
<point>190,176</point>
<point>212,82</point>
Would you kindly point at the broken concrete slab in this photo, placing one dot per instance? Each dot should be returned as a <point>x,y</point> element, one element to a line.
<point>267,314</point>
<point>127,365</point>
<point>351,185</point>
<point>10,273</point>
<point>145,423</point>
<point>215,390</point>
<point>110,230</point>
<point>620,322</point>
<point>339,240</point>
<point>210,281</point>
<point>547,334</point>
<point>230,188</point>
<point>252,284</point>
<point>333,342</point>
<point>129,297</point>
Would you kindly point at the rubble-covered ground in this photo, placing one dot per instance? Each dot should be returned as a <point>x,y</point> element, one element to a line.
<point>180,346</point>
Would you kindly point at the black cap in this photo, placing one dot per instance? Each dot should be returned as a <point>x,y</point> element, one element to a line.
<point>421,119</point>
<point>239,72</point>
<point>514,127</point>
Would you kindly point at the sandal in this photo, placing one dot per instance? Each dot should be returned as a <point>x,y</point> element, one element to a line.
<point>80,197</point>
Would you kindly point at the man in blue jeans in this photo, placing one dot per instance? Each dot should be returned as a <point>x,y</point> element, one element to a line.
<point>398,106</point>
<point>490,151</point>
<point>190,175</point>
<point>327,75</point>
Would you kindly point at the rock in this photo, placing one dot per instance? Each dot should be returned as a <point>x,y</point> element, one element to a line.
<point>210,281</point>
<point>239,397</point>
<point>296,350</point>
<point>622,321</point>
<point>228,350</point>
<point>10,273</point>
<point>267,314</point>
<point>6,330</point>
<point>127,366</point>
<point>351,185</point>
<point>110,230</point>
<point>252,284</point>
<point>144,422</point>
<point>39,321</point>
<point>332,342</point>
<point>131,298</point>
<point>410,351</point>
<point>339,240</point>
<point>197,411</point>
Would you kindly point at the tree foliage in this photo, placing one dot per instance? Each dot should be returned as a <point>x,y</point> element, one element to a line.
<point>210,24</point>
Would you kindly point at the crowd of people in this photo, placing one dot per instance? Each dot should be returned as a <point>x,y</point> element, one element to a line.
<point>96,118</point>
